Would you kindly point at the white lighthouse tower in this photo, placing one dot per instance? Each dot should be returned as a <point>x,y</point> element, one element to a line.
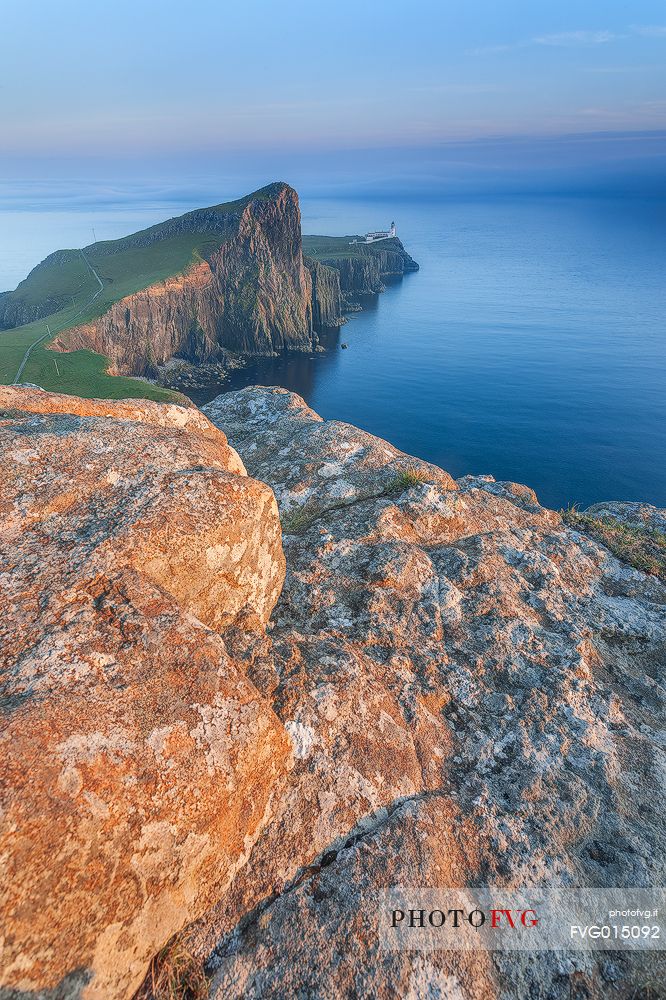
<point>384,234</point>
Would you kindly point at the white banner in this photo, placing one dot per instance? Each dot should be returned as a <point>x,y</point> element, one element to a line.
<point>496,919</point>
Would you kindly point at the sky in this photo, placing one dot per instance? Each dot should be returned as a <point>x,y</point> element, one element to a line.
<point>418,94</point>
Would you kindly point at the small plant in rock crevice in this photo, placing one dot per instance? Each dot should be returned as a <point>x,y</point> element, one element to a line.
<point>175,974</point>
<point>642,548</point>
<point>407,478</point>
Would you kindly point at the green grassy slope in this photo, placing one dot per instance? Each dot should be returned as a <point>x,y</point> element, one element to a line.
<point>79,373</point>
<point>333,247</point>
<point>122,273</point>
<point>322,247</point>
<point>64,286</point>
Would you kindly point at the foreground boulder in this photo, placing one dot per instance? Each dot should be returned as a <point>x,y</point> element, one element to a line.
<point>138,763</point>
<point>472,693</point>
<point>475,696</point>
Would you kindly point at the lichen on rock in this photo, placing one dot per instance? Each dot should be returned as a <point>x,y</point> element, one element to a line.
<point>477,695</point>
<point>450,688</point>
<point>139,763</point>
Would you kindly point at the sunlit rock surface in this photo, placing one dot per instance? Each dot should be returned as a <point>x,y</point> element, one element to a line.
<point>474,692</point>
<point>453,689</point>
<point>138,762</point>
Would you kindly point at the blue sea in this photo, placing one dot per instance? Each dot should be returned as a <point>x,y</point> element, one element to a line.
<point>529,346</point>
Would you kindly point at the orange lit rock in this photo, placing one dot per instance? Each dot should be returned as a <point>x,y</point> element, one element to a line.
<point>139,764</point>
<point>470,690</point>
<point>473,692</point>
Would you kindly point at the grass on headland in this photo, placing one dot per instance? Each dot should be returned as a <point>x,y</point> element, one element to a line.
<point>65,286</point>
<point>641,548</point>
<point>129,264</point>
<point>83,373</point>
<point>64,280</point>
<point>79,373</point>
<point>334,247</point>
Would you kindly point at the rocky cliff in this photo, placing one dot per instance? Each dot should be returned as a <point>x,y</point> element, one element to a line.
<point>453,689</point>
<point>253,294</point>
<point>230,276</point>
<point>327,301</point>
<point>362,268</point>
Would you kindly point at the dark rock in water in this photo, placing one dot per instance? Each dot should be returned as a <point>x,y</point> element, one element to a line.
<point>344,346</point>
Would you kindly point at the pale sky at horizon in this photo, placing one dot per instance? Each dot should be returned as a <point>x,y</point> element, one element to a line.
<point>91,85</point>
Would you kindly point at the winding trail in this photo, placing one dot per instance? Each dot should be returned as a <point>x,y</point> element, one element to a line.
<point>85,305</point>
<point>27,355</point>
<point>101,284</point>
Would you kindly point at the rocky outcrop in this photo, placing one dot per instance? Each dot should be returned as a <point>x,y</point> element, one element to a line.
<point>253,295</point>
<point>472,693</point>
<point>634,532</point>
<point>326,295</point>
<point>186,417</point>
<point>643,516</point>
<point>138,762</point>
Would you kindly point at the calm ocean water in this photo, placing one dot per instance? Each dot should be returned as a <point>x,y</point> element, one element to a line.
<point>530,345</point>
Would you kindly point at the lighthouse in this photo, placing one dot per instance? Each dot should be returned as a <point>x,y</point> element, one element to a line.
<point>384,234</point>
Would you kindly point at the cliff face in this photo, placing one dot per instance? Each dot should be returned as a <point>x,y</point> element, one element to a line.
<point>327,302</point>
<point>253,295</point>
<point>178,316</point>
<point>246,285</point>
<point>469,690</point>
<point>358,275</point>
<point>363,271</point>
